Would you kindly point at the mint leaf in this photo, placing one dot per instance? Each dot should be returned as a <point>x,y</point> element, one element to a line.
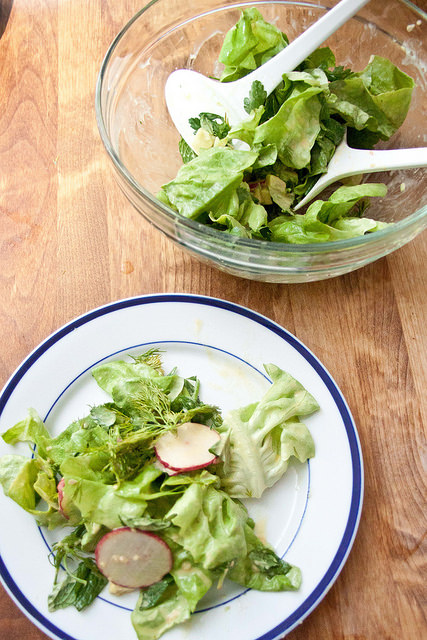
<point>266,561</point>
<point>153,594</point>
<point>257,97</point>
<point>79,589</point>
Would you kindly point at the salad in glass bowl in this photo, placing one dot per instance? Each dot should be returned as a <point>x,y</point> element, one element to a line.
<point>234,207</point>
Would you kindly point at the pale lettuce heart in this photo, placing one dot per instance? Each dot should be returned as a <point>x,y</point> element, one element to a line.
<point>258,441</point>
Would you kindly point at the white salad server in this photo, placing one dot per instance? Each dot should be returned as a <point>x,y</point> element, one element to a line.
<point>189,93</point>
<point>348,162</point>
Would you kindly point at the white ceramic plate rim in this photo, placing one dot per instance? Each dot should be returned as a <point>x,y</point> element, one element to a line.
<point>347,539</point>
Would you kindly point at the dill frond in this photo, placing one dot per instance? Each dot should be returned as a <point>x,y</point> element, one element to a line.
<point>153,405</point>
<point>146,415</point>
<point>152,358</point>
<point>131,443</point>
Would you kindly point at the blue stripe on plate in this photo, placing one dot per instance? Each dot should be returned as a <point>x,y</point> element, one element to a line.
<point>356,459</point>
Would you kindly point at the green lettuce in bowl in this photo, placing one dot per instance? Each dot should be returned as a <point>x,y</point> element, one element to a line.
<point>290,137</point>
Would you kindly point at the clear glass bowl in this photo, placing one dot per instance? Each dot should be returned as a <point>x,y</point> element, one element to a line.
<point>142,141</point>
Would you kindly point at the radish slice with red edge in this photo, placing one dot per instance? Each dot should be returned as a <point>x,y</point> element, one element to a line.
<point>66,506</point>
<point>187,448</point>
<point>163,469</point>
<point>132,558</point>
<point>60,490</point>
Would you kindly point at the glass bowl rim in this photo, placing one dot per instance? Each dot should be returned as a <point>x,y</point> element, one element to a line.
<point>263,246</point>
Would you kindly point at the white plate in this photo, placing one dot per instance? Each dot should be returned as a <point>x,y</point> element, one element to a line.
<point>310,516</point>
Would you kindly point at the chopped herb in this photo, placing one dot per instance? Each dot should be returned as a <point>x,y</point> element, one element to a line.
<point>212,123</point>
<point>257,97</point>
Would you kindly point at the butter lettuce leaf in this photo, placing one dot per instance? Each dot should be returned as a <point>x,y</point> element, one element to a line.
<point>100,503</point>
<point>321,58</point>
<point>294,128</point>
<point>123,381</point>
<point>151,622</point>
<point>245,130</point>
<point>172,599</point>
<point>210,525</point>
<point>337,218</point>
<point>112,505</point>
<point>204,183</point>
<point>342,201</point>
<point>262,569</point>
<point>17,477</point>
<point>192,580</point>
<point>258,440</point>
<point>26,481</point>
<point>77,438</point>
<point>376,99</point>
<point>31,430</point>
<point>249,44</point>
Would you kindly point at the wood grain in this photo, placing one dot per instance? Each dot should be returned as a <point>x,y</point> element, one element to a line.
<point>70,241</point>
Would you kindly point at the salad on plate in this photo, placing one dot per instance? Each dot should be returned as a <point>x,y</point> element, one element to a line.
<point>289,136</point>
<point>148,488</point>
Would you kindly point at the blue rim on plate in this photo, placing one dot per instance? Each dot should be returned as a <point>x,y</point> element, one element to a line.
<point>355,452</point>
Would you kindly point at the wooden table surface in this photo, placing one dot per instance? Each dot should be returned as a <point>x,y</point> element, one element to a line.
<point>70,241</point>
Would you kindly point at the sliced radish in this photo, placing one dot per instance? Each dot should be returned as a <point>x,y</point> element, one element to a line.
<point>66,506</point>
<point>132,558</point>
<point>60,490</point>
<point>163,469</point>
<point>188,448</point>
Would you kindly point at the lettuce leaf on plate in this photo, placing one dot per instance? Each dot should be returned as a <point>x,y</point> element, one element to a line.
<point>193,580</point>
<point>258,440</point>
<point>32,430</point>
<point>211,526</point>
<point>216,536</point>
<point>17,477</point>
<point>77,439</point>
<point>175,597</point>
<point>111,505</point>
<point>100,503</point>
<point>150,622</point>
<point>26,481</point>
<point>262,569</point>
<point>123,380</point>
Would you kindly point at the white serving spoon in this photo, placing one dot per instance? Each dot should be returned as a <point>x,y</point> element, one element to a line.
<point>351,162</point>
<point>189,93</point>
